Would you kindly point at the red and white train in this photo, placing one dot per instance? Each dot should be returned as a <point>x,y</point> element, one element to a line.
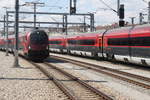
<point>34,44</point>
<point>128,44</point>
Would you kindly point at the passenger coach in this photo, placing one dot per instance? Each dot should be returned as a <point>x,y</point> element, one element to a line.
<point>57,44</point>
<point>131,44</point>
<point>128,44</point>
<point>89,44</point>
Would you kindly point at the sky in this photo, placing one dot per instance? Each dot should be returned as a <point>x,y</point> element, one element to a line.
<point>102,17</point>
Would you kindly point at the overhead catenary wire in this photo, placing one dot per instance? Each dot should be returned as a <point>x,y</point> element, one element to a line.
<point>53,19</point>
<point>108,6</point>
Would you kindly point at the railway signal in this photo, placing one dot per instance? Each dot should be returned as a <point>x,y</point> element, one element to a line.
<point>119,11</point>
<point>121,15</point>
<point>73,6</point>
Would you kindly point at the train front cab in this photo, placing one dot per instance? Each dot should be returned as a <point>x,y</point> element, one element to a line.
<point>38,55</point>
<point>37,45</point>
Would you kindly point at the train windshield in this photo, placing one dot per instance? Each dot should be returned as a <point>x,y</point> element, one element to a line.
<point>38,37</point>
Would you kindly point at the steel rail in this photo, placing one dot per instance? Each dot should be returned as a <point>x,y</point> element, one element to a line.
<point>104,70</point>
<point>59,84</point>
<point>71,95</point>
<point>92,89</point>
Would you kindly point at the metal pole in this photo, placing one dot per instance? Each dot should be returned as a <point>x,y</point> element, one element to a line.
<point>24,28</point>
<point>149,12</point>
<point>118,6</point>
<point>4,25</point>
<point>34,4</point>
<point>92,23</point>
<point>7,33</point>
<point>34,15</point>
<point>63,25</point>
<point>66,24</point>
<point>141,18</point>
<point>57,27</point>
<point>84,23</point>
<point>16,63</point>
<point>132,20</point>
<point>70,5</point>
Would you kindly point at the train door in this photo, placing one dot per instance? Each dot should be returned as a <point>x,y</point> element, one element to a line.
<point>103,44</point>
<point>100,44</point>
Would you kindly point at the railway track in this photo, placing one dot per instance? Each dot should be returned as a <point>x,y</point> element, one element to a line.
<point>71,86</point>
<point>141,81</point>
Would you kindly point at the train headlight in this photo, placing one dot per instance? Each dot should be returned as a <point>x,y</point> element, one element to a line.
<point>47,47</point>
<point>29,47</point>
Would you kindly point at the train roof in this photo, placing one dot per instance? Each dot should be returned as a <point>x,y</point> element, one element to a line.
<point>118,31</point>
<point>141,26</point>
<point>143,30</point>
<point>131,29</point>
<point>85,34</point>
<point>112,32</point>
<point>88,34</point>
<point>57,37</point>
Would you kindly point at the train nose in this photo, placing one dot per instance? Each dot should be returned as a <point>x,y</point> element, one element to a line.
<point>39,38</point>
<point>38,46</point>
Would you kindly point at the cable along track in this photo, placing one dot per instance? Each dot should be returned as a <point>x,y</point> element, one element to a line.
<point>141,81</point>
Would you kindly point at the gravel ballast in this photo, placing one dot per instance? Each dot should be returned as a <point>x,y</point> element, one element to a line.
<point>26,82</point>
<point>118,89</point>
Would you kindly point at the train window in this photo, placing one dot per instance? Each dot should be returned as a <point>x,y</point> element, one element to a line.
<point>118,41</point>
<point>146,41</point>
<point>87,42</point>
<point>72,42</point>
<point>140,41</point>
<point>9,41</point>
<point>134,41</point>
<point>40,38</point>
<point>55,42</point>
